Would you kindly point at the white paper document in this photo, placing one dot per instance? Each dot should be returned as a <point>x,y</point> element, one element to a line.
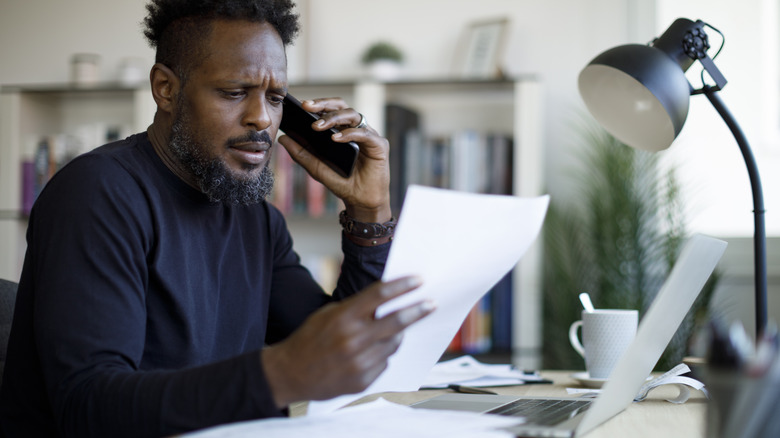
<point>460,244</point>
<point>467,371</point>
<point>671,377</point>
<point>377,419</point>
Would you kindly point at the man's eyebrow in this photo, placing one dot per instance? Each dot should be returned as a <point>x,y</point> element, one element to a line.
<point>244,84</point>
<point>281,90</point>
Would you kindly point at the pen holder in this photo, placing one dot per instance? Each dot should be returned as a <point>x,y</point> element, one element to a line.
<point>742,405</point>
<point>722,386</point>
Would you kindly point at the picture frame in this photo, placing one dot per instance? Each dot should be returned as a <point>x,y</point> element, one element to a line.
<point>480,54</point>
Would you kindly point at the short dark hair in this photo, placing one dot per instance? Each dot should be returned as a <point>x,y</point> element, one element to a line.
<point>177,28</point>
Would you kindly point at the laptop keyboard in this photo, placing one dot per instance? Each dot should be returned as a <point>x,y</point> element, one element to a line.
<point>543,412</point>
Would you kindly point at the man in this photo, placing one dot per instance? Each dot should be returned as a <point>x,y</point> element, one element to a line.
<point>160,292</point>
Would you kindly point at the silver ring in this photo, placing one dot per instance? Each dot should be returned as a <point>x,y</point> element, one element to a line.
<point>362,123</point>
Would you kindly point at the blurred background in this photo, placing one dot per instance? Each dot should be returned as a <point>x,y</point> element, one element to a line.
<point>547,40</point>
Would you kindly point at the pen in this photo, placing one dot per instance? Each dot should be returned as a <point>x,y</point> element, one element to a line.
<point>469,389</point>
<point>538,382</point>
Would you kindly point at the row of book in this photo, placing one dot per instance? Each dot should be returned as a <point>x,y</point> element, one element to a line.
<point>465,160</point>
<point>488,326</point>
<point>296,192</point>
<point>54,151</point>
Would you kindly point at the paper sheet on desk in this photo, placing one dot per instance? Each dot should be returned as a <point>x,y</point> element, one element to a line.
<point>467,371</point>
<point>461,244</point>
<point>377,419</point>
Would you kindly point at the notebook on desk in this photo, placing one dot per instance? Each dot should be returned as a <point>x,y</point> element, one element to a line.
<point>574,416</point>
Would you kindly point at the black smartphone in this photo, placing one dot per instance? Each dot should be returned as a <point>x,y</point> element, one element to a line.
<point>296,122</point>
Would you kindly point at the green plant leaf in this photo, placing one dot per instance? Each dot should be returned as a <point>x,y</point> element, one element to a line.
<point>382,50</point>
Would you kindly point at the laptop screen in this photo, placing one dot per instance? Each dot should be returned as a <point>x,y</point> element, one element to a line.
<point>696,262</point>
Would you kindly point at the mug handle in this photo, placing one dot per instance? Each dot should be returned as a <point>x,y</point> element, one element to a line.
<point>574,339</point>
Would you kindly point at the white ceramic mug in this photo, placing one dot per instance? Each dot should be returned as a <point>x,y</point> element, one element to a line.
<point>606,334</point>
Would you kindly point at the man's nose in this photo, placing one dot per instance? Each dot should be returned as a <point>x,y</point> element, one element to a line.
<point>257,113</point>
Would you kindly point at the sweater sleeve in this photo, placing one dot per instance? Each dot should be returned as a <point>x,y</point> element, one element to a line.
<point>362,266</point>
<point>84,295</point>
<point>295,295</point>
<point>88,243</point>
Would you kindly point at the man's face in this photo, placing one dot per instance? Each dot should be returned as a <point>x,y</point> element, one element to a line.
<point>229,110</point>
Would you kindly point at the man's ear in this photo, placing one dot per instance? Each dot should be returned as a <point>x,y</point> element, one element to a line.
<point>165,86</point>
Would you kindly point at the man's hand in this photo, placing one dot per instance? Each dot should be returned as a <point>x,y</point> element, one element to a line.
<point>341,348</point>
<point>366,193</point>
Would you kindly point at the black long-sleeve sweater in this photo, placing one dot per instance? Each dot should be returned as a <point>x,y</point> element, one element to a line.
<point>142,306</point>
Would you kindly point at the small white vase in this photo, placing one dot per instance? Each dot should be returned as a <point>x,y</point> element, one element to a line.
<point>384,70</point>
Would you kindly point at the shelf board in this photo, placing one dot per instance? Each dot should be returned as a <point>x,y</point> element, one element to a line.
<point>69,88</point>
<point>433,81</point>
<point>15,215</point>
<point>117,86</point>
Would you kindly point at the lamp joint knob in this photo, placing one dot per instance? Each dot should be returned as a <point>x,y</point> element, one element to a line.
<point>696,43</point>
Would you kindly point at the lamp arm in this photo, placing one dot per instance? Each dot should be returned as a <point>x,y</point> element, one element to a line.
<point>759,237</point>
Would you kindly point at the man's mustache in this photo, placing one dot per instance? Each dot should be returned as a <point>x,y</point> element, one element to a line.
<point>251,137</point>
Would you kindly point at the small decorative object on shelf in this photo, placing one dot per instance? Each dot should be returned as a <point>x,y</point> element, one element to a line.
<point>132,71</point>
<point>383,61</point>
<point>480,54</point>
<point>85,69</point>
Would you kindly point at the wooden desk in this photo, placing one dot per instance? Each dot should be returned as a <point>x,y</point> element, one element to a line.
<point>655,417</point>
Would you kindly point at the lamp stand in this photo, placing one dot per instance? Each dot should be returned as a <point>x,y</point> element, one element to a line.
<point>759,236</point>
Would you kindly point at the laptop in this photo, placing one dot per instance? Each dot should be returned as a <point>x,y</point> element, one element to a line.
<point>572,416</point>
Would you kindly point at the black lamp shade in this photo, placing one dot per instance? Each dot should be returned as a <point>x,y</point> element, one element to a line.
<point>638,94</point>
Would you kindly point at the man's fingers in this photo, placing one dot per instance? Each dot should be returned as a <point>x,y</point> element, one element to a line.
<point>324,104</point>
<point>399,320</point>
<point>379,293</point>
<point>313,165</point>
<point>389,334</point>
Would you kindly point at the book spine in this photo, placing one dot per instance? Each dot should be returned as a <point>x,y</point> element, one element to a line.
<point>282,196</point>
<point>315,197</point>
<point>28,186</point>
<point>501,312</point>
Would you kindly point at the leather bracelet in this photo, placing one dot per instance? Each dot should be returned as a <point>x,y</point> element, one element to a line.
<point>372,231</point>
<point>367,242</point>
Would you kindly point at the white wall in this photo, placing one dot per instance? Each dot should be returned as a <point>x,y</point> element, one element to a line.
<point>712,167</point>
<point>553,39</point>
<point>38,37</point>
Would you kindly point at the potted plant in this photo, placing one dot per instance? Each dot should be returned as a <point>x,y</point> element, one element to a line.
<point>383,61</point>
<point>617,241</point>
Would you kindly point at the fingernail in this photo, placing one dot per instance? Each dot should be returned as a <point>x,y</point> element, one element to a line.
<point>413,281</point>
<point>428,306</point>
<point>337,135</point>
<point>308,102</point>
<point>319,122</point>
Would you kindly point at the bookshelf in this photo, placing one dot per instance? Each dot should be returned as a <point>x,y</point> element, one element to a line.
<point>69,117</point>
<point>510,108</point>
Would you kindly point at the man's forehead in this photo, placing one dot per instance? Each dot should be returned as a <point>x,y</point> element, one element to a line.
<point>238,33</point>
<point>243,46</point>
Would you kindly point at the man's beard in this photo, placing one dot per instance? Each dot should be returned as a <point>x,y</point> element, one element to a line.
<point>212,175</point>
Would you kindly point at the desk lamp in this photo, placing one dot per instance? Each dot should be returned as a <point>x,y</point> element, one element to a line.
<point>639,94</point>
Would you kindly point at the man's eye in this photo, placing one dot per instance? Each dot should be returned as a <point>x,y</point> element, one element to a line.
<point>233,93</point>
<point>276,99</point>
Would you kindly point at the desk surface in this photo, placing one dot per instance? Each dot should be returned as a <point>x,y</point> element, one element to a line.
<point>655,417</point>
